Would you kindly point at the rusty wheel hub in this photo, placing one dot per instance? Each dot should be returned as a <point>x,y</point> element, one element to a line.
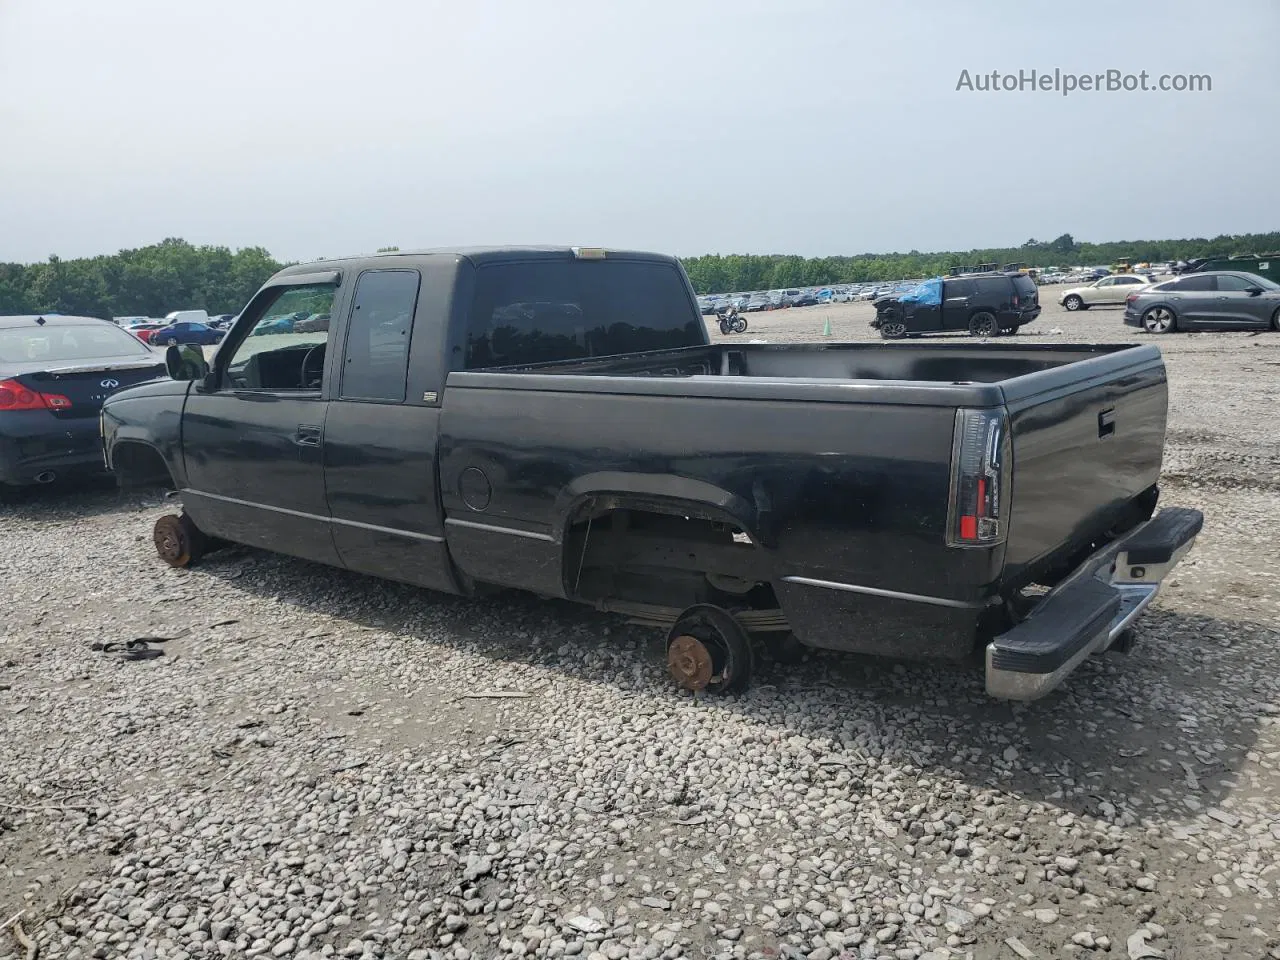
<point>689,661</point>
<point>171,541</point>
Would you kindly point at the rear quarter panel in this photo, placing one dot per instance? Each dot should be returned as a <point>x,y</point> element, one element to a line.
<point>838,491</point>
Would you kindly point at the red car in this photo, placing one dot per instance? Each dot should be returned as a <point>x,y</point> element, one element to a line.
<point>143,331</point>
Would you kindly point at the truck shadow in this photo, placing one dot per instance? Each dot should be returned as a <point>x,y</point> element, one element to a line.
<point>1158,733</point>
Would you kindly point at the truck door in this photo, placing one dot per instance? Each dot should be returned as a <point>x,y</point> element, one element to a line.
<point>251,437</point>
<point>955,304</point>
<point>382,428</point>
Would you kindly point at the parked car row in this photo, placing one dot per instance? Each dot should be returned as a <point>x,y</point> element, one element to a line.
<point>801,296</point>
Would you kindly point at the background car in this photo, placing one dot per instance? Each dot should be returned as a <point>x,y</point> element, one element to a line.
<point>315,323</point>
<point>1217,300</point>
<point>200,334</point>
<point>283,324</point>
<point>1108,290</point>
<point>143,331</point>
<point>54,374</point>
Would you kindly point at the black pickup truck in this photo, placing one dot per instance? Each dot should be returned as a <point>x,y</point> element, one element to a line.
<point>558,421</point>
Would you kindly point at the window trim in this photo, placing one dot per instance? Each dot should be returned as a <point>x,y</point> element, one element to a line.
<point>346,337</point>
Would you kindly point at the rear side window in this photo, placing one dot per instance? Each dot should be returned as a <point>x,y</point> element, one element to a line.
<point>375,363</point>
<point>1195,283</point>
<point>993,287</point>
<point>1024,285</point>
<point>545,310</point>
<point>957,288</point>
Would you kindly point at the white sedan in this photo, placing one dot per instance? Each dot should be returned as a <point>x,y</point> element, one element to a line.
<point>1108,290</point>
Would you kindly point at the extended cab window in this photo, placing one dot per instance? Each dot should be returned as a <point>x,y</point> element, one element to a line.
<point>290,335</point>
<point>376,362</point>
<point>544,310</point>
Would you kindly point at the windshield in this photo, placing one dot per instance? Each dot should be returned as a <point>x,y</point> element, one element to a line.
<point>67,343</point>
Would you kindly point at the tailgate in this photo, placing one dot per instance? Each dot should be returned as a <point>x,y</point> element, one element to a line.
<point>1087,439</point>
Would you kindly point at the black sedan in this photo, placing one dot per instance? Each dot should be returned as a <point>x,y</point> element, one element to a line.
<point>199,334</point>
<point>54,374</point>
<point>1209,300</point>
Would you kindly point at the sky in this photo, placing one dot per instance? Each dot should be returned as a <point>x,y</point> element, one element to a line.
<point>322,128</point>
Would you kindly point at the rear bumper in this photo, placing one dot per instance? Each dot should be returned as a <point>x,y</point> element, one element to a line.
<point>1090,609</point>
<point>1132,319</point>
<point>46,444</point>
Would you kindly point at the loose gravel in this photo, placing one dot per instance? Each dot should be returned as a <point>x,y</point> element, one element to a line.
<point>317,763</point>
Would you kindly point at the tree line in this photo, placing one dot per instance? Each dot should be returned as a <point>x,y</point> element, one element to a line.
<point>149,281</point>
<point>176,275</point>
<point>733,273</point>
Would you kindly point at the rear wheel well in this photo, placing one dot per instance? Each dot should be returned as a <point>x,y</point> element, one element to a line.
<point>626,554</point>
<point>140,465</point>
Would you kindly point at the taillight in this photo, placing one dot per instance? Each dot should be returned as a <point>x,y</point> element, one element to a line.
<point>977,514</point>
<point>17,396</point>
<point>1130,298</point>
<point>1015,299</point>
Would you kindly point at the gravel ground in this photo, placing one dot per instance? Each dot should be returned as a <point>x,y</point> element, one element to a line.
<point>322,764</point>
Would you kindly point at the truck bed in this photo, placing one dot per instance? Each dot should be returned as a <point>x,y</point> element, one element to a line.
<point>835,456</point>
<point>932,363</point>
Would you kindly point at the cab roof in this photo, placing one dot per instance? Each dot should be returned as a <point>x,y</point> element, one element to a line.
<point>477,255</point>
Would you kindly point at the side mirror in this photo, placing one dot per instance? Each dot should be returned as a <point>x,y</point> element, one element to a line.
<point>185,362</point>
<point>1253,291</point>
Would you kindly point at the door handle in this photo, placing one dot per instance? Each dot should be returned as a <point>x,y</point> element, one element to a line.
<point>307,435</point>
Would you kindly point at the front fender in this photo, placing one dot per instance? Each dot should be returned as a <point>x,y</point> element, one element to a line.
<point>150,414</point>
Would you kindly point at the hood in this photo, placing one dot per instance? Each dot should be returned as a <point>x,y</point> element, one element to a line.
<point>156,388</point>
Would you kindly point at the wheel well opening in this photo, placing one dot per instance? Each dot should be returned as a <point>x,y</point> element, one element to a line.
<point>139,465</point>
<point>620,555</point>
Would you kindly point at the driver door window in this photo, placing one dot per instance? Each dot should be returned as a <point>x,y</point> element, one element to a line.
<point>1229,284</point>
<point>285,350</point>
